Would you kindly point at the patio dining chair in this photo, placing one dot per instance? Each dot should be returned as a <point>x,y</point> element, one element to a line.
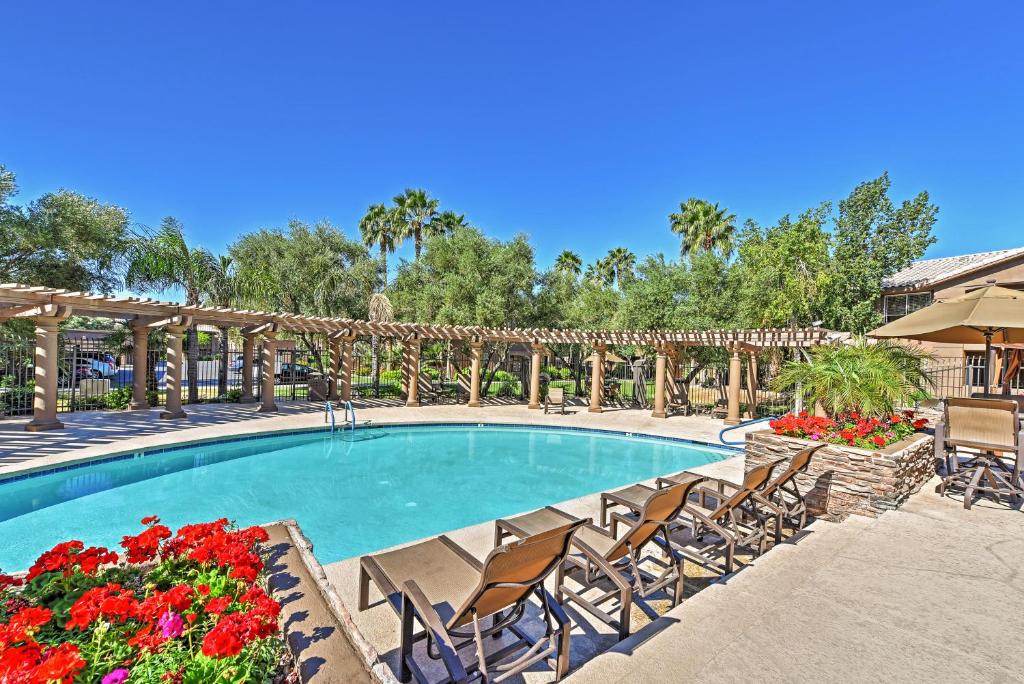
<point>991,428</point>
<point>783,492</point>
<point>601,557</point>
<point>451,594</point>
<point>555,398</point>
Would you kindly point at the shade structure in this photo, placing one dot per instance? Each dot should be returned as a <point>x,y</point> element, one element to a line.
<point>609,357</point>
<point>982,316</point>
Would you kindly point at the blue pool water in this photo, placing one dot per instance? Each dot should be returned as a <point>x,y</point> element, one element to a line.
<point>351,492</point>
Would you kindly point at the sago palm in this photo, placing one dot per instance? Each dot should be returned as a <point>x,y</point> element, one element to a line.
<point>705,227</point>
<point>872,379</point>
<point>163,260</point>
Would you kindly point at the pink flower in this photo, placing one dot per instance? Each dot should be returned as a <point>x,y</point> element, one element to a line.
<point>171,625</point>
<point>118,676</point>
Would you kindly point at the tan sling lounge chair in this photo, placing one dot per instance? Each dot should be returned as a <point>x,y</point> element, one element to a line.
<point>450,593</point>
<point>992,427</point>
<point>601,556</point>
<point>555,398</point>
<point>783,492</point>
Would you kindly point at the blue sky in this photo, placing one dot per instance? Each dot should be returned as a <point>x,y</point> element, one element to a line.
<point>582,124</point>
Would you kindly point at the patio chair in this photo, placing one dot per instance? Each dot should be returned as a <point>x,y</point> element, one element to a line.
<point>992,427</point>
<point>450,593</point>
<point>555,397</point>
<point>601,556</point>
<point>783,492</point>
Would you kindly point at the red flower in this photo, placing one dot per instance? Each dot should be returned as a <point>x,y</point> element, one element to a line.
<point>67,556</point>
<point>879,440</point>
<point>10,581</point>
<point>144,547</point>
<point>150,520</point>
<point>60,664</point>
<point>30,618</point>
<point>920,423</point>
<point>218,605</point>
<point>112,602</point>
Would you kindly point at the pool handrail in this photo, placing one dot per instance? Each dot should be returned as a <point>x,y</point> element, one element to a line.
<point>739,425</point>
<point>350,407</point>
<point>329,411</point>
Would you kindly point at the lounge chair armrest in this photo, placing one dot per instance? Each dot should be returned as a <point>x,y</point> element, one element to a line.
<point>432,621</point>
<point>760,498</point>
<point>598,528</point>
<point>555,607</point>
<point>623,518</point>
<point>708,522</point>
<point>607,568</point>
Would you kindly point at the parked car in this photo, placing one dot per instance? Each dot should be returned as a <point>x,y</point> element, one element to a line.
<point>236,363</point>
<point>83,371</point>
<point>292,372</point>
<point>104,363</point>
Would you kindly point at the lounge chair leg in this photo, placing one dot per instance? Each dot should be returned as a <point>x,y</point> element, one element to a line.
<point>406,645</point>
<point>562,664</point>
<point>364,589</point>
<point>677,597</point>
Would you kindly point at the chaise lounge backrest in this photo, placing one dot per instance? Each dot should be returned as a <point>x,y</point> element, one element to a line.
<point>988,424</point>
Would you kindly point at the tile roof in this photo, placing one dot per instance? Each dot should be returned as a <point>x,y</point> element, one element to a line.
<point>928,271</point>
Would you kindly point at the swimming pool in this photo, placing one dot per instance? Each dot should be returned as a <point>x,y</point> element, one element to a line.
<point>350,492</point>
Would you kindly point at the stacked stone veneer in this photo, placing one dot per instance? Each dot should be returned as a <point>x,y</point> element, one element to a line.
<point>841,480</point>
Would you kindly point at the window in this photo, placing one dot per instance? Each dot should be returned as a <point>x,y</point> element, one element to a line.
<point>898,306</point>
<point>974,369</point>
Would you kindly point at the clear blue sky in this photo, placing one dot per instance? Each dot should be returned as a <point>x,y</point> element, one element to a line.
<point>582,124</point>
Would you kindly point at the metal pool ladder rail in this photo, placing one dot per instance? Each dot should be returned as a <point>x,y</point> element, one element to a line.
<point>350,407</point>
<point>329,412</point>
<point>739,425</point>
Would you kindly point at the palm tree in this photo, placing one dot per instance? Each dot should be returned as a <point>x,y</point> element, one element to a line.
<point>600,272</point>
<point>380,228</point>
<point>380,311</point>
<point>704,226</point>
<point>163,260</point>
<point>620,261</point>
<point>446,223</point>
<point>418,210</point>
<point>569,262</point>
<point>870,378</point>
<point>222,290</point>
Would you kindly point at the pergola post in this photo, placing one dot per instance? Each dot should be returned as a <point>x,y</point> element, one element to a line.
<point>475,352</point>
<point>334,345</point>
<point>411,371</point>
<point>248,352</point>
<point>597,377</point>
<point>751,385</point>
<point>345,376</point>
<point>269,366</point>
<point>44,402</point>
<point>660,367</point>
<point>535,361</point>
<point>735,371</point>
<point>173,374</point>
<point>140,359</point>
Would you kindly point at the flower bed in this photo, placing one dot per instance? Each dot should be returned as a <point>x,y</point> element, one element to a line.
<point>850,429</point>
<point>185,607</point>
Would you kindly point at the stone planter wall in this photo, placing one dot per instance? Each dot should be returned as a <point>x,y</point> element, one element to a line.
<point>841,480</point>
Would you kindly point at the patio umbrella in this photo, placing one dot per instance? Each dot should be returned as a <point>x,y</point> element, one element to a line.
<point>974,318</point>
<point>609,357</point>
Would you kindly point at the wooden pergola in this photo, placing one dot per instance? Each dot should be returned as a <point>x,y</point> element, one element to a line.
<point>47,307</point>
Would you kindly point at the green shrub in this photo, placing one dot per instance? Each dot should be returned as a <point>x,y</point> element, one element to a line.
<point>391,377</point>
<point>17,400</point>
<point>234,396</point>
<point>118,398</point>
<point>152,397</point>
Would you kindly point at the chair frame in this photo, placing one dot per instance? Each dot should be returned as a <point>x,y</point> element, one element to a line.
<point>985,473</point>
<point>549,403</point>
<point>444,642</point>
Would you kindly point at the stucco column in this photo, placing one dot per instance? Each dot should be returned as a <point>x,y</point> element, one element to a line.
<point>411,371</point>
<point>334,346</point>
<point>733,394</point>
<point>248,352</point>
<point>44,403</point>
<point>140,358</point>
<point>345,377</point>
<point>535,361</point>
<point>475,351</point>
<point>660,366</point>
<point>269,365</point>
<point>751,385</point>
<point>172,376</point>
<point>597,378</point>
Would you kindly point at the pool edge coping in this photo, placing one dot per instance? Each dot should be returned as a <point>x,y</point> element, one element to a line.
<point>76,463</point>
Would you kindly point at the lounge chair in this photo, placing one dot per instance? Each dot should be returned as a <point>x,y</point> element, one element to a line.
<point>783,492</point>
<point>600,555</point>
<point>992,427</point>
<point>555,397</point>
<point>737,520</point>
<point>450,593</point>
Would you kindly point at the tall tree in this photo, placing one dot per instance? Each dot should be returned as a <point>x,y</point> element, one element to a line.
<point>601,272</point>
<point>222,290</point>
<point>705,227</point>
<point>163,260</point>
<point>873,238</point>
<point>380,311</point>
<point>63,239</point>
<point>446,223</point>
<point>418,211</point>
<point>569,262</point>
<point>381,227</point>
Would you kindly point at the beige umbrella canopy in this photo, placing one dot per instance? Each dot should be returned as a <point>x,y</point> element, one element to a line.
<point>609,357</point>
<point>979,317</point>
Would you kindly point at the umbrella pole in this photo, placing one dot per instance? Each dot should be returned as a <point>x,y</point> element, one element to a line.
<point>988,361</point>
